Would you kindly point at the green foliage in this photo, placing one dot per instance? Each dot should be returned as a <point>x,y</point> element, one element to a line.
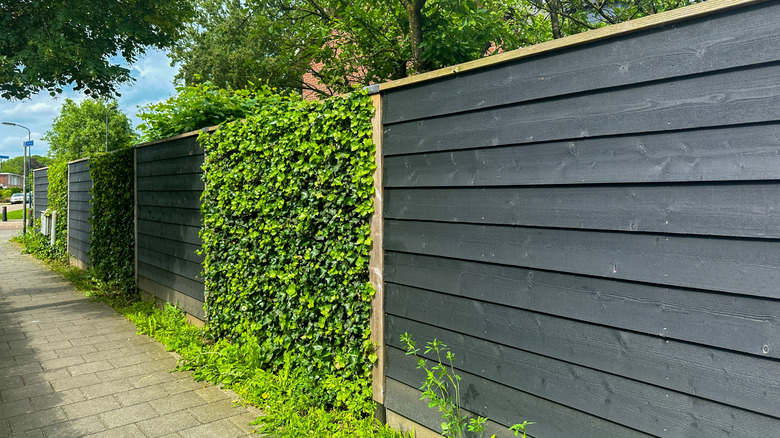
<point>442,388</point>
<point>14,165</point>
<point>46,45</point>
<point>34,242</point>
<point>195,107</point>
<point>285,397</point>
<point>286,236</point>
<point>5,194</point>
<point>111,217</point>
<point>80,130</point>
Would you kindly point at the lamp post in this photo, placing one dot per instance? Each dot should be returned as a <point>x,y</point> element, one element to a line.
<point>24,176</point>
<point>112,107</point>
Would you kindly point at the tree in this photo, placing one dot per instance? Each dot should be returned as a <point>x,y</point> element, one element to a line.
<point>14,165</point>
<point>46,45</point>
<point>341,43</point>
<point>80,130</point>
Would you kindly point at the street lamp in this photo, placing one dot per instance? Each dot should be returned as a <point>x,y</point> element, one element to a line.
<point>24,176</point>
<point>112,107</point>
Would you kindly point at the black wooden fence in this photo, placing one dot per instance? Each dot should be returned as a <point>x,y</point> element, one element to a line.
<point>79,197</point>
<point>168,221</point>
<point>595,232</point>
<point>40,191</point>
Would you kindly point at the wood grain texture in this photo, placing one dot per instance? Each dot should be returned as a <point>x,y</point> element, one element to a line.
<point>730,97</point>
<point>181,233</point>
<point>170,198</point>
<point>376,260</point>
<point>655,411</point>
<point>621,29</point>
<point>747,267</point>
<point>711,43</point>
<point>170,263</point>
<point>743,153</point>
<point>180,250</point>
<point>740,210</point>
<point>709,373</point>
<point>182,147</point>
<point>505,405</point>
<point>187,286</point>
<point>179,216</point>
<point>173,166</point>
<point>729,322</point>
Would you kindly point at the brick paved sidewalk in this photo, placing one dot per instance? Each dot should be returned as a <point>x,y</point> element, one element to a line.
<point>71,368</point>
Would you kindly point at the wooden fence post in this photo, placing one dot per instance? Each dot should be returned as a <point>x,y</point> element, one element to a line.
<point>376,263</point>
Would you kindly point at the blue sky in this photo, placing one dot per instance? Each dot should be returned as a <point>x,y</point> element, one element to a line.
<point>153,83</point>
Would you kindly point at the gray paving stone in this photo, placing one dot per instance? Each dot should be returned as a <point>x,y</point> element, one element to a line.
<point>26,391</point>
<point>75,428</point>
<point>140,395</point>
<point>75,382</point>
<point>177,402</point>
<point>11,382</point>
<point>91,407</point>
<point>121,373</point>
<point>129,431</point>
<point>101,389</point>
<point>216,411</point>
<point>211,394</point>
<point>61,362</point>
<point>80,350</point>
<point>14,408</point>
<point>90,367</point>
<point>55,399</point>
<point>45,376</point>
<point>218,429</point>
<point>128,415</point>
<point>156,427</point>
<point>36,420</point>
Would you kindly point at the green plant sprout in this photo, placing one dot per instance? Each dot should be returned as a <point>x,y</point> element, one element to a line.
<point>442,388</point>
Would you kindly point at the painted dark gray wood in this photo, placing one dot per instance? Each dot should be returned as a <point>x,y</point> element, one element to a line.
<point>692,369</point>
<point>170,198</point>
<point>83,196</point>
<point>743,153</point>
<point>183,147</point>
<point>79,207</point>
<point>708,44</point>
<point>725,321</point>
<point>178,249</point>
<point>40,191</point>
<point>748,267</point>
<point>170,182</point>
<point>181,216</point>
<point>739,210</point>
<point>170,231</point>
<point>165,293</point>
<point>187,286</point>
<point>81,223</point>
<point>741,96</point>
<point>173,166</point>
<point>171,263</point>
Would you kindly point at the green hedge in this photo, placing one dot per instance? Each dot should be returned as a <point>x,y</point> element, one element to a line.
<point>36,243</point>
<point>286,234</point>
<point>112,243</point>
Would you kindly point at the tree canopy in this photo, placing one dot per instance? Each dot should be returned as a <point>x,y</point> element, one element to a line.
<point>14,165</point>
<point>46,45</point>
<point>80,130</point>
<point>237,42</point>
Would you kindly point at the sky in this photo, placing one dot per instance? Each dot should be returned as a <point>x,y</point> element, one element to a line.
<point>153,83</point>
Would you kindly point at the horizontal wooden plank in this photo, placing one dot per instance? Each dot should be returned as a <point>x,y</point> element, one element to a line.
<point>180,147</point>
<point>650,409</point>
<point>743,210</point>
<point>76,176</point>
<point>722,264</point>
<point>723,41</point>
<point>83,186</point>
<point>173,166</point>
<point>79,254</point>
<point>721,154</point>
<point>76,243</point>
<point>79,196</point>
<point>181,250</point>
<point>181,233</point>
<point>504,405</point>
<point>80,225</point>
<point>185,302</point>
<point>509,406</point>
<point>727,98</point>
<point>179,216</point>
<point>170,182</point>
<point>736,323</point>
<point>187,286</point>
<point>171,263</point>
<point>176,199</point>
<point>710,373</point>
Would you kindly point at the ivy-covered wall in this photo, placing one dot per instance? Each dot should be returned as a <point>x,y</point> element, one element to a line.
<point>286,242</point>
<point>111,217</point>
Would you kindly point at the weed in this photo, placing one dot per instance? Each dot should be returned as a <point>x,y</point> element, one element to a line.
<point>442,388</point>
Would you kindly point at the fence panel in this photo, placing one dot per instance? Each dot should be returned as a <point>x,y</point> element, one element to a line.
<point>168,220</point>
<point>594,232</point>
<point>40,191</point>
<point>79,205</point>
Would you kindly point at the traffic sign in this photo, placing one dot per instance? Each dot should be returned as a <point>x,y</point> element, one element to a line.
<point>28,143</point>
<point>3,157</point>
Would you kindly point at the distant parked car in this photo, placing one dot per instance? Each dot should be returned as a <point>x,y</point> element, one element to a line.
<point>17,198</point>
